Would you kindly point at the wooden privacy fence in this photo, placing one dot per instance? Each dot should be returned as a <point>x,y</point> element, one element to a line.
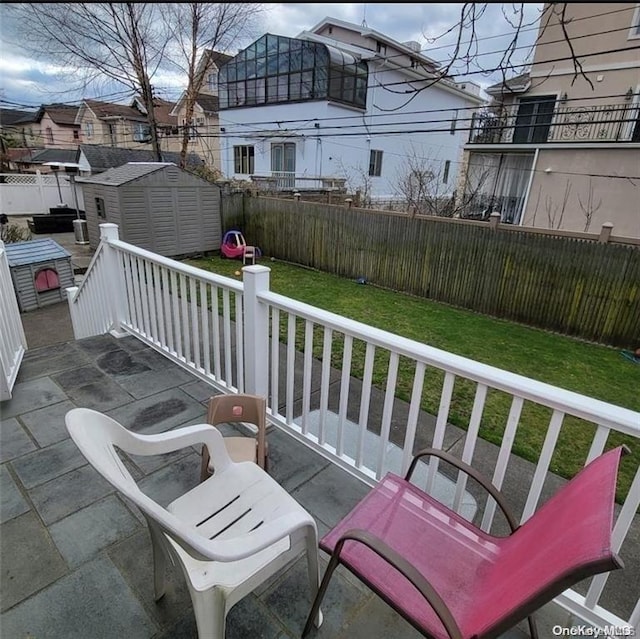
<point>570,285</point>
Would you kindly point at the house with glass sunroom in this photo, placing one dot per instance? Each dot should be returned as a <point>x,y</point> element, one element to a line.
<point>341,102</point>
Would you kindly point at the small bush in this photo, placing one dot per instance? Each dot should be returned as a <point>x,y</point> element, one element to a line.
<point>15,233</point>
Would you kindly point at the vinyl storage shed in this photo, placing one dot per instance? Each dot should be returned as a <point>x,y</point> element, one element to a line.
<point>156,205</point>
<point>40,270</point>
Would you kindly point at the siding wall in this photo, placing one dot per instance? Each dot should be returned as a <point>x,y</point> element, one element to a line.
<point>24,284</point>
<point>111,199</point>
<point>169,212</point>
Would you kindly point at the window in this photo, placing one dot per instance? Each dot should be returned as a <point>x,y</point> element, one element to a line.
<point>381,48</point>
<point>49,134</point>
<point>100,210</point>
<point>634,32</point>
<point>88,129</point>
<point>212,82</point>
<point>76,134</point>
<point>534,119</point>
<point>46,280</point>
<point>445,173</point>
<point>375,163</point>
<point>454,122</point>
<point>283,164</point>
<point>279,69</point>
<point>112,134</point>
<point>141,132</point>
<point>243,159</point>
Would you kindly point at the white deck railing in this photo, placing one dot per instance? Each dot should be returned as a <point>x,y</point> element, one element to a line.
<point>13,343</point>
<point>248,339</point>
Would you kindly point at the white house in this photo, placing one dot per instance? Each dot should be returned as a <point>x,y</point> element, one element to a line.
<point>332,103</point>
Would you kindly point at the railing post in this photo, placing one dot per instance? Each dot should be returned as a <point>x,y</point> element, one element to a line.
<point>115,279</point>
<point>605,232</point>
<point>256,331</point>
<point>494,220</point>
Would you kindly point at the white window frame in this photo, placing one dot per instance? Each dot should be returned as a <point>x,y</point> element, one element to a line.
<point>634,31</point>
<point>88,129</point>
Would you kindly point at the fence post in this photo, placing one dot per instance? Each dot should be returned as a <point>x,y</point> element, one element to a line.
<point>40,183</point>
<point>115,279</point>
<point>494,220</point>
<point>256,331</point>
<point>605,232</point>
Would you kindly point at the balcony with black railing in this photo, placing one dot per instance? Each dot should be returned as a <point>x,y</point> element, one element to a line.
<point>533,122</point>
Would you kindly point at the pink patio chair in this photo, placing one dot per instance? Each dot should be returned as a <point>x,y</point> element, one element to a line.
<point>448,578</point>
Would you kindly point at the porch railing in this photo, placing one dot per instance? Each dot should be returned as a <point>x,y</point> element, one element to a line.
<point>595,123</point>
<point>248,338</point>
<point>289,181</point>
<point>13,343</point>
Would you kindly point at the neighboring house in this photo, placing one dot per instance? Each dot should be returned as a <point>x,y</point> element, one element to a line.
<point>37,159</point>
<point>94,158</point>
<point>57,126</point>
<point>542,153</point>
<point>18,127</point>
<point>125,126</point>
<point>331,103</point>
<point>204,125</point>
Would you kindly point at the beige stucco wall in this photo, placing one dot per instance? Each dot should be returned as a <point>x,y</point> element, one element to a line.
<point>614,200</point>
<point>592,27</point>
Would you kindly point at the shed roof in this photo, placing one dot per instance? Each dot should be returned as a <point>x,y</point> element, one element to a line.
<point>34,251</point>
<point>125,173</point>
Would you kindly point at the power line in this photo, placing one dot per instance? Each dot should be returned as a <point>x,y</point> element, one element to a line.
<point>456,110</point>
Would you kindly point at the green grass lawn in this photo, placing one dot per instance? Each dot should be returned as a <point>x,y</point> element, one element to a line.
<point>590,369</point>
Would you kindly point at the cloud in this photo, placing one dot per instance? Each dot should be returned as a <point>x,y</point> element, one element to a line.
<point>30,82</point>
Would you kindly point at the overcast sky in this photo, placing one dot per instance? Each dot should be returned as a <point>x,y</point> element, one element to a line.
<point>27,82</point>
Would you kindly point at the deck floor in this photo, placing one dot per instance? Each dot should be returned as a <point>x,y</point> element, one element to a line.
<point>76,556</point>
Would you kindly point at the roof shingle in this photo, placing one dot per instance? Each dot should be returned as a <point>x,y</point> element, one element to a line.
<point>101,157</point>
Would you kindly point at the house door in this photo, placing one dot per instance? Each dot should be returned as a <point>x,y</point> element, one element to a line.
<point>283,164</point>
<point>534,119</point>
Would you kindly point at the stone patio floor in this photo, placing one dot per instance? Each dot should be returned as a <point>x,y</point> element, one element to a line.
<point>75,556</point>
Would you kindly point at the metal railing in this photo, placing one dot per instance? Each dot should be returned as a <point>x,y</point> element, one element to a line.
<point>270,338</point>
<point>597,123</point>
<point>289,181</point>
<point>13,343</point>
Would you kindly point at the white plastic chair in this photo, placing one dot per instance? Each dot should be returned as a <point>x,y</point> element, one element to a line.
<point>228,534</point>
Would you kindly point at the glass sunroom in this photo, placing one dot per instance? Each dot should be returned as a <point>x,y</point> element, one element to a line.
<point>276,69</point>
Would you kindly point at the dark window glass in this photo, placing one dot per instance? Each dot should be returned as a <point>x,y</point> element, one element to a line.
<point>534,119</point>
<point>272,65</point>
<point>289,69</point>
<point>100,210</point>
<point>445,173</point>
<point>294,86</point>
<point>243,159</point>
<point>375,163</point>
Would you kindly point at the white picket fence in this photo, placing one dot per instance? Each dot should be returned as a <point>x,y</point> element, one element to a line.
<point>249,339</point>
<point>29,193</point>
<point>13,343</point>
